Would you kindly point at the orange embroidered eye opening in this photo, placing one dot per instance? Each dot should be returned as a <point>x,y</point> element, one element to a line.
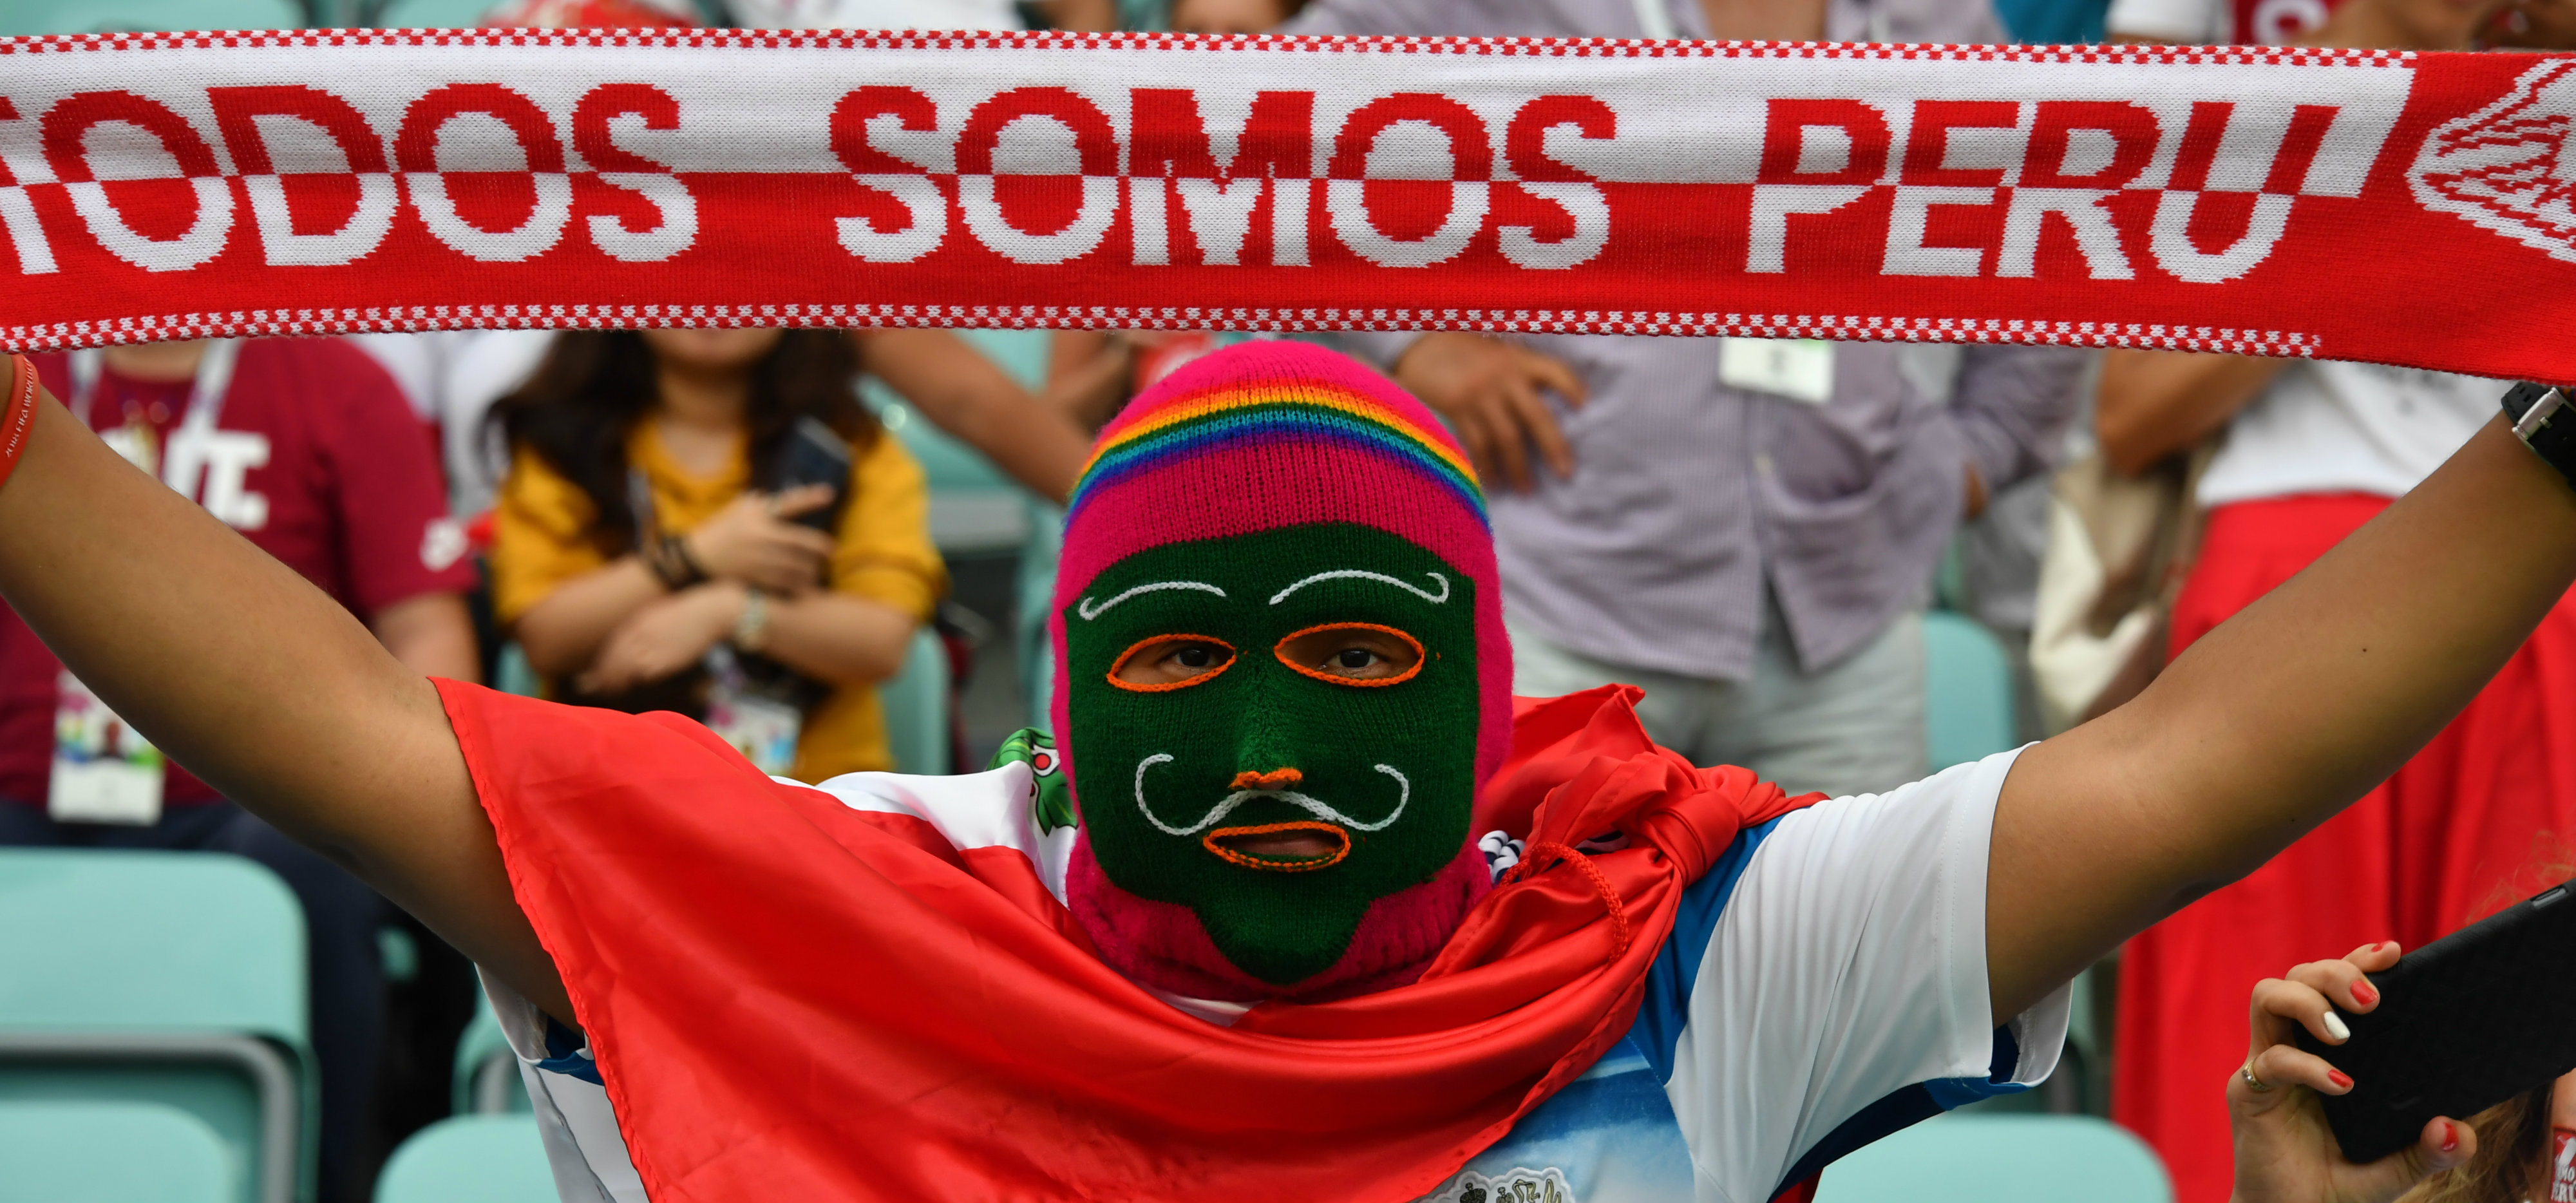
<point>1159,663</point>
<point>1314,651</point>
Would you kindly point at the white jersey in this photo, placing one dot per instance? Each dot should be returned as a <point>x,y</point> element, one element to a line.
<point>1825,985</point>
<point>2347,428</point>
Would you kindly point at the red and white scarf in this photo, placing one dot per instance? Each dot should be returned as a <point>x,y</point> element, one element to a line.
<point>2403,208</point>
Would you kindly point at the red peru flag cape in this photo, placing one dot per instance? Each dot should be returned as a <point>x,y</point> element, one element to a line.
<point>793,999</point>
<point>2404,208</point>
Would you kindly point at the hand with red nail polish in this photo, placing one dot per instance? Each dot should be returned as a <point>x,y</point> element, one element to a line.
<point>2285,1153</point>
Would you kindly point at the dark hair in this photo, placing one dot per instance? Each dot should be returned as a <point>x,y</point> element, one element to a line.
<point>591,388</point>
<point>2513,1139</point>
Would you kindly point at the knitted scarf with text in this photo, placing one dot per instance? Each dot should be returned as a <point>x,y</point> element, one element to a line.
<point>2255,200</point>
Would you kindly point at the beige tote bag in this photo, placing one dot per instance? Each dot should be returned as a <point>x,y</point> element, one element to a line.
<point>2118,550</point>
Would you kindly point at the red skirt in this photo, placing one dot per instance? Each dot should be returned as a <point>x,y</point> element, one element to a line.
<point>2469,824</point>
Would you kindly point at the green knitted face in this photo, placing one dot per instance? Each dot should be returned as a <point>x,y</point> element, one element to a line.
<point>1390,766</point>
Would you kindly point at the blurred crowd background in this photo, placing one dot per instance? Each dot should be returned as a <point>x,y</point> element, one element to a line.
<point>1844,566</point>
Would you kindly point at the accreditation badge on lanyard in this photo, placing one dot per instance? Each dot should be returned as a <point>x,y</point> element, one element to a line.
<point>763,729</point>
<point>1800,369</point>
<point>105,771</point>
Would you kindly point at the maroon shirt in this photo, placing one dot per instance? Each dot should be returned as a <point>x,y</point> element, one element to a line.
<point>317,461</point>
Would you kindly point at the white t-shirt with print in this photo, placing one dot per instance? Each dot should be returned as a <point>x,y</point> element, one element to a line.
<point>2347,428</point>
<point>1825,985</point>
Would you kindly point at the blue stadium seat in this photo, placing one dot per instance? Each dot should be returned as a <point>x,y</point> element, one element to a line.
<point>1968,704</point>
<point>2001,1159</point>
<point>470,1159</point>
<point>105,16</point>
<point>102,1152</point>
<point>170,977</point>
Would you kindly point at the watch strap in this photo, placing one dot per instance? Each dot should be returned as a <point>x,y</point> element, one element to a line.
<point>751,628</point>
<point>2544,418</point>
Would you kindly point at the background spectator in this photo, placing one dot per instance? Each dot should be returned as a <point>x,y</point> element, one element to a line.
<point>1746,529</point>
<point>696,428</point>
<point>2285,1153</point>
<point>456,375</point>
<point>2312,451</point>
<point>306,449</point>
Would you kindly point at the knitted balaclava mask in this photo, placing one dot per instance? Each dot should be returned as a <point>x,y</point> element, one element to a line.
<point>1270,808</point>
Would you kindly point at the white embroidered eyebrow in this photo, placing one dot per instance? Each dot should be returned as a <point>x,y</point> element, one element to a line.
<point>1365,574</point>
<point>1090,611</point>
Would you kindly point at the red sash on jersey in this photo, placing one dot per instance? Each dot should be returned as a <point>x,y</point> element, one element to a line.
<point>791,999</point>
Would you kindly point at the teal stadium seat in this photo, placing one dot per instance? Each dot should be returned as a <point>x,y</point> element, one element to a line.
<point>2001,1159</point>
<point>470,1159</point>
<point>168,977</point>
<point>433,14</point>
<point>974,509</point>
<point>1968,703</point>
<point>916,709</point>
<point>102,1152</point>
<point>109,16</point>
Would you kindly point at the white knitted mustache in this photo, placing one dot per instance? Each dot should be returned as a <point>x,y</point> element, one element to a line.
<point>1311,805</point>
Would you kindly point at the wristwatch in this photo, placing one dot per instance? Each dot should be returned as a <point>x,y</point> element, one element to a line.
<point>2542,418</point>
<point>751,627</point>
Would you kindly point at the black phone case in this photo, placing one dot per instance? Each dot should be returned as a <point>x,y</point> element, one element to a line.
<point>815,454</point>
<point>2464,1023</point>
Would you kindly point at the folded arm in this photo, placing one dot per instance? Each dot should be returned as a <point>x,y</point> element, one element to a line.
<point>2276,720</point>
<point>259,683</point>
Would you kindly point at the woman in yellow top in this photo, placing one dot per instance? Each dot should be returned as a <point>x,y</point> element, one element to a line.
<point>728,600</point>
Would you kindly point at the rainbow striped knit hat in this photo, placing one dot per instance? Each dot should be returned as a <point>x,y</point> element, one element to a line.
<point>1266,435</point>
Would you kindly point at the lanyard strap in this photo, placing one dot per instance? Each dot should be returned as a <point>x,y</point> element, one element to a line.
<point>213,382</point>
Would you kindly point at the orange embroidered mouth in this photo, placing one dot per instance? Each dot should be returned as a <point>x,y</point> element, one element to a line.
<point>1299,847</point>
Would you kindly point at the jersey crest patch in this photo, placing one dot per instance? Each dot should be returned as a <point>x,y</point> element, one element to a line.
<point>1516,1185</point>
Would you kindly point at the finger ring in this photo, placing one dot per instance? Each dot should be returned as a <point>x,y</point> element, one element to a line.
<point>2259,1085</point>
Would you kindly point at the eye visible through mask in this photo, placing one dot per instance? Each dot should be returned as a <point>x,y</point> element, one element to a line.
<point>1352,653</point>
<point>1161,663</point>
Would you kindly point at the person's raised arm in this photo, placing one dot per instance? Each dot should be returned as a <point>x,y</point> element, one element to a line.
<point>260,684</point>
<point>963,393</point>
<point>2154,403</point>
<point>2277,719</point>
<point>1088,372</point>
<point>431,634</point>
